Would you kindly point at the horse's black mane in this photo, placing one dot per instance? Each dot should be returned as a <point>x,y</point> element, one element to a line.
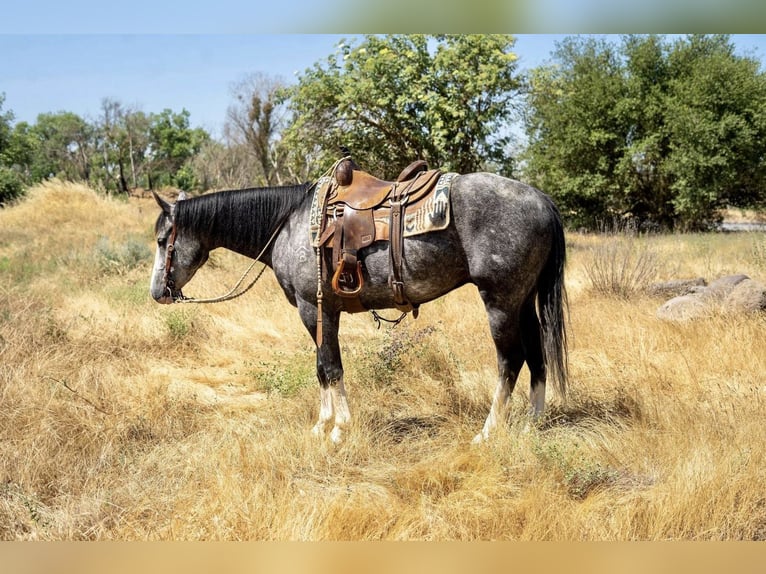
<point>247,217</point>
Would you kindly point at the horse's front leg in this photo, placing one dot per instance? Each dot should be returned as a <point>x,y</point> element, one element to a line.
<point>332,391</point>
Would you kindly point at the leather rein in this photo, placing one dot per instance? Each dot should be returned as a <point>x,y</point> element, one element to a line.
<point>233,293</point>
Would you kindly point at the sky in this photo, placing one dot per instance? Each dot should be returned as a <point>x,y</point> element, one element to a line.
<point>42,73</point>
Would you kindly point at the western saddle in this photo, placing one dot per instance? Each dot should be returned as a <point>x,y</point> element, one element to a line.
<point>358,209</point>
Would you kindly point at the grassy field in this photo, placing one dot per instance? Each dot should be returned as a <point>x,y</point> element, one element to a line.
<point>121,419</point>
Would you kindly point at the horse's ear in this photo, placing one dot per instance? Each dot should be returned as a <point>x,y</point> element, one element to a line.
<point>164,205</point>
<point>182,196</point>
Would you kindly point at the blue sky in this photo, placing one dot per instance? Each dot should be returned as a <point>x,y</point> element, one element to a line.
<point>49,73</point>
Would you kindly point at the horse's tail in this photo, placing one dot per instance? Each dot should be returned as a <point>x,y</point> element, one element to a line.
<point>552,301</point>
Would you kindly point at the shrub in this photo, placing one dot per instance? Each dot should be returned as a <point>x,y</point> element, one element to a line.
<point>11,185</point>
<point>622,265</point>
<point>122,257</point>
<point>382,364</point>
<point>579,474</point>
<point>284,377</point>
<point>179,324</point>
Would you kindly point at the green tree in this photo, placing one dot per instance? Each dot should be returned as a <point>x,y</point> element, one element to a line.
<point>172,144</point>
<point>446,99</point>
<point>642,174</point>
<point>668,133</point>
<point>62,147</point>
<point>11,182</point>
<point>576,128</point>
<point>716,116</point>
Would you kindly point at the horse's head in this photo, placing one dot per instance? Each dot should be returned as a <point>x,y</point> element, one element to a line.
<point>179,254</point>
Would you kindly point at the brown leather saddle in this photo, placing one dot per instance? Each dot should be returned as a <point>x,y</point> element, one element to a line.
<point>361,209</point>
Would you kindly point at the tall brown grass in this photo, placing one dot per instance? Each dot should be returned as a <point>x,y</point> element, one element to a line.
<point>124,420</point>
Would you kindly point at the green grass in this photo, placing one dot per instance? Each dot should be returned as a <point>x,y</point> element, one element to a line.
<point>285,375</point>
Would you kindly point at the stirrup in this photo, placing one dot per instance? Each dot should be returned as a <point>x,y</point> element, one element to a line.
<point>342,276</point>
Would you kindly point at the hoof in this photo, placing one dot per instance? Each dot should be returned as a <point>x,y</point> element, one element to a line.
<point>480,438</point>
<point>318,430</point>
<point>336,436</point>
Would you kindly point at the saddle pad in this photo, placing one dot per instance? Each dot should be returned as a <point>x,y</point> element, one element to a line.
<point>432,214</point>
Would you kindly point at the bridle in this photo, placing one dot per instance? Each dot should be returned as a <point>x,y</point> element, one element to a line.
<point>234,292</point>
<point>167,280</point>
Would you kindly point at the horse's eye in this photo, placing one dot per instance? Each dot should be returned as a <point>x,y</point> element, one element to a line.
<point>162,241</point>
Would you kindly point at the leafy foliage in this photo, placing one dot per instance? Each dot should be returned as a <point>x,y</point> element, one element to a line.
<point>123,149</point>
<point>392,99</point>
<point>11,185</point>
<point>173,143</point>
<point>668,133</point>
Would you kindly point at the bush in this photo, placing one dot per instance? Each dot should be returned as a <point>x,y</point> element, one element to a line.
<point>622,265</point>
<point>11,185</point>
<point>122,257</point>
<point>285,377</point>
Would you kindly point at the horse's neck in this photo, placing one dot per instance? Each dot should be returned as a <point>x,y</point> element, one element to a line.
<point>248,229</point>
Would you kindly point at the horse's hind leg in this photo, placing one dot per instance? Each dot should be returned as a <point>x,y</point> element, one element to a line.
<point>533,346</point>
<point>505,329</point>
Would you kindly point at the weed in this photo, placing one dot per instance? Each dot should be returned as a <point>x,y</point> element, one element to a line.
<point>580,475</point>
<point>284,377</point>
<point>122,257</point>
<point>622,265</point>
<point>381,364</point>
<point>179,323</point>
<point>758,251</point>
<point>11,491</point>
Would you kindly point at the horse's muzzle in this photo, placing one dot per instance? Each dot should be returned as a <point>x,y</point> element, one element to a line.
<point>165,300</point>
<point>168,297</point>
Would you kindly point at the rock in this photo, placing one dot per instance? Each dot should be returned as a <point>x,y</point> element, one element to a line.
<point>747,296</point>
<point>721,287</point>
<point>684,308</point>
<point>676,287</point>
<point>729,294</point>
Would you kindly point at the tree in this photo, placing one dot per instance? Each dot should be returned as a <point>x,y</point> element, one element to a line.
<point>62,147</point>
<point>717,121</point>
<point>135,142</point>
<point>223,166</point>
<point>172,144</point>
<point>109,162</point>
<point>664,133</point>
<point>576,129</point>
<point>446,99</point>
<point>5,128</point>
<point>255,121</point>
<point>642,174</point>
<point>11,183</point>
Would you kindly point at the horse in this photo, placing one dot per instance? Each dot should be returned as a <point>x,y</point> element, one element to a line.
<point>504,236</point>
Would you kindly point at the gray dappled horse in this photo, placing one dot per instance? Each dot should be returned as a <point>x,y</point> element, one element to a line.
<point>505,237</point>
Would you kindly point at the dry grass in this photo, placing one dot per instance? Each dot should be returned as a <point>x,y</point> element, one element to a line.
<point>122,419</point>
